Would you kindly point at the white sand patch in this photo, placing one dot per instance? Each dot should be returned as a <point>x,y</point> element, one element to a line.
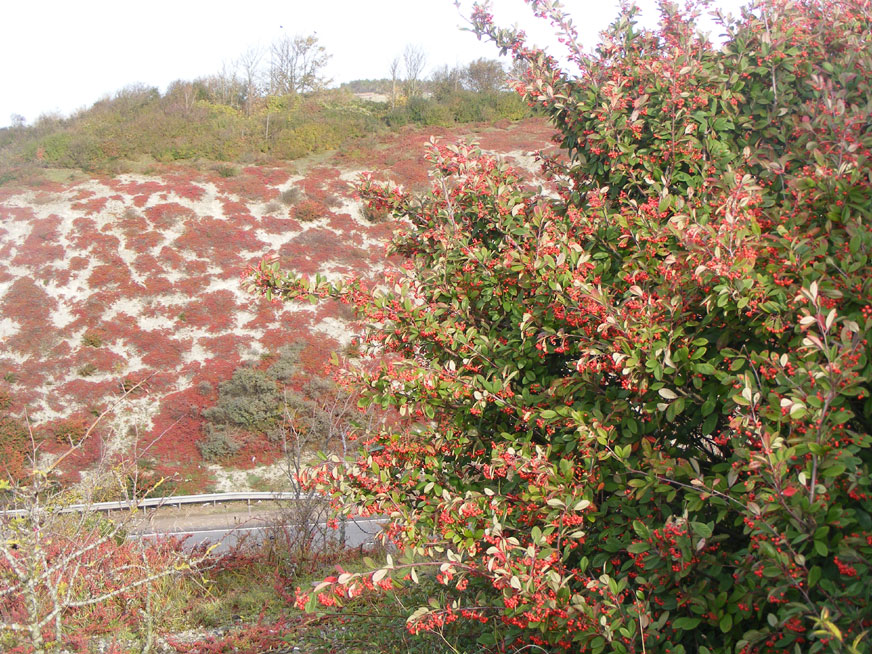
<point>209,204</point>
<point>331,274</point>
<point>131,306</point>
<point>61,316</point>
<point>8,327</point>
<point>275,241</point>
<point>242,318</point>
<point>169,238</point>
<point>41,412</point>
<point>523,159</point>
<point>231,284</point>
<point>16,358</point>
<point>169,300</point>
<point>251,256</point>
<point>172,276</point>
<point>151,323</point>
<point>196,353</point>
<point>352,175</point>
<point>354,208</point>
<point>335,328</point>
<point>127,353</point>
<point>74,290</point>
<point>17,230</point>
<point>227,480</point>
<point>131,418</point>
<point>250,349</point>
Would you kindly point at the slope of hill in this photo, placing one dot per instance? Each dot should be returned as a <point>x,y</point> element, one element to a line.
<point>113,281</point>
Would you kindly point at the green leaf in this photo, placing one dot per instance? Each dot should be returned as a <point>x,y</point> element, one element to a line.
<point>701,529</point>
<point>814,576</point>
<point>686,624</point>
<point>833,470</point>
<point>798,411</point>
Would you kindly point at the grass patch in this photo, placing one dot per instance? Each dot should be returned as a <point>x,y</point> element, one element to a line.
<point>250,597</point>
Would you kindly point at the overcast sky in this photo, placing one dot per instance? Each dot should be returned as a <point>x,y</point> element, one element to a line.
<point>62,55</point>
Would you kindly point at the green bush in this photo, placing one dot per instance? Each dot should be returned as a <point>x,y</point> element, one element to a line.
<point>249,400</point>
<point>286,364</point>
<point>220,443</point>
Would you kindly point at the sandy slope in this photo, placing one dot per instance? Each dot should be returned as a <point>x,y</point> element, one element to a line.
<point>118,280</point>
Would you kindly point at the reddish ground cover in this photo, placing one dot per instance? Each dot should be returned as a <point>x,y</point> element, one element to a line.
<point>118,281</point>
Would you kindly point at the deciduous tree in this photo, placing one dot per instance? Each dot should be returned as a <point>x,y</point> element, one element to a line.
<point>414,60</point>
<point>297,65</point>
<point>485,75</point>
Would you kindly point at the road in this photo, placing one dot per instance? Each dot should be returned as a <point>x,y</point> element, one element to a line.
<point>228,528</point>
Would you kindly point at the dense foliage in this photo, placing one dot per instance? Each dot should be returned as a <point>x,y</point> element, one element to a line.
<point>635,412</point>
<point>193,120</point>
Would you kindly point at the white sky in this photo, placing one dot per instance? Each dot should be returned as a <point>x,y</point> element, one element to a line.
<point>62,55</point>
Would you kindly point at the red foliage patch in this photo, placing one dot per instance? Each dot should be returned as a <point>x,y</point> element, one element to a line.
<point>278,224</point>
<point>213,311</point>
<point>213,244</point>
<point>41,246</point>
<point>28,304</point>
<point>235,209</point>
<point>269,176</point>
<point>211,238</point>
<point>309,210</point>
<point>168,214</point>
<point>107,274</point>
<point>90,207</point>
<point>249,186</point>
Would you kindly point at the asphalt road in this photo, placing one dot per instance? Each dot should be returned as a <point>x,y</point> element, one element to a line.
<point>230,528</point>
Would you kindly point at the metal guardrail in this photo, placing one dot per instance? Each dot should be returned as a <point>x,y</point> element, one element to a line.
<point>159,502</point>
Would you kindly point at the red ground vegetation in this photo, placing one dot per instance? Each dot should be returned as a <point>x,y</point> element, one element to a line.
<point>177,249</point>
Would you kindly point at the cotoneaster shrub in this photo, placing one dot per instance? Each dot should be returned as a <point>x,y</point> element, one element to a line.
<point>637,415</point>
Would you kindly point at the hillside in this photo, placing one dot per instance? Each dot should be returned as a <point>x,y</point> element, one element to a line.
<point>110,281</point>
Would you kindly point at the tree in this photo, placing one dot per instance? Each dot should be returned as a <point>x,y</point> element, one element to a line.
<point>249,63</point>
<point>446,81</point>
<point>414,61</point>
<point>635,417</point>
<point>395,72</point>
<point>297,64</point>
<point>224,87</point>
<point>485,76</point>
<point>181,95</point>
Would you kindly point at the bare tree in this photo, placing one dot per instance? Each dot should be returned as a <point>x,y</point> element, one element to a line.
<point>181,95</point>
<point>297,64</point>
<point>225,86</point>
<point>249,65</point>
<point>318,421</point>
<point>414,60</point>
<point>395,74</point>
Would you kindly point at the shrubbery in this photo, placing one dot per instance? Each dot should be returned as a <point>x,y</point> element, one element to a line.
<point>248,401</point>
<point>636,417</point>
<point>113,133</point>
<point>280,403</point>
